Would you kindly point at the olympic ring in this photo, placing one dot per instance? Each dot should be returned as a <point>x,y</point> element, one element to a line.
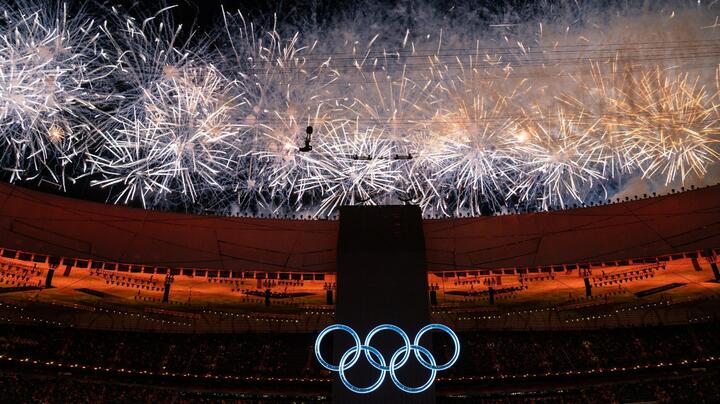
<point>376,359</point>
<point>391,328</point>
<point>331,329</point>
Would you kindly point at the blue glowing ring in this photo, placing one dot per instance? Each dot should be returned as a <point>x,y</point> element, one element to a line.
<point>452,335</point>
<point>356,349</point>
<point>424,356</point>
<point>353,388</point>
<point>433,371</point>
<point>400,332</point>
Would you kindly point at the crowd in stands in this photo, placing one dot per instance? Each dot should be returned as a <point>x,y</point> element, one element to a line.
<point>539,352</point>
<point>233,354</point>
<point>245,354</point>
<point>484,353</point>
<point>486,292</point>
<point>21,388</point>
<point>691,387</point>
<point>271,294</point>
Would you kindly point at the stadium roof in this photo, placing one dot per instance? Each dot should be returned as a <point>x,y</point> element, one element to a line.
<point>59,226</point>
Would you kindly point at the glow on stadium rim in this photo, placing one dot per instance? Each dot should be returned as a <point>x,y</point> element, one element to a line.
<point>461,125</point>
<point>397,360</point>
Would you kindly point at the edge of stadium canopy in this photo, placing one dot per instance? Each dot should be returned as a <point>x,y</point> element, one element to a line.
<point>425,215</point>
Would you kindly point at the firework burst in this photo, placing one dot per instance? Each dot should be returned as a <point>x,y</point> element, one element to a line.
<point>674,125</point>
<point>561,163</point>
<point>351,166</point>
<point>51,71</point>
<point>178,144</point>
<point>285,87</point>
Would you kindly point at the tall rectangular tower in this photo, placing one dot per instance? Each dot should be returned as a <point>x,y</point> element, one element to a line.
<point>381,279</point>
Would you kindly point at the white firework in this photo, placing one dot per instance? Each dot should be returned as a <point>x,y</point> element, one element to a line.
<point>251,188</point>
<point>673,124</point>
<point>285,88</point>
<point>561,163</point>
<point>473,167</point>
<point>460,119</point>
<point>468,158</point>
<point>147,52</point>
<point>380,90</point>
<point>598,105</point>
<point>52,70</point>
<point>178,144</point>
<point>349,166</point>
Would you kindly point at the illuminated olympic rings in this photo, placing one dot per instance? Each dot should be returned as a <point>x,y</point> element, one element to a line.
<point>376,359</point>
